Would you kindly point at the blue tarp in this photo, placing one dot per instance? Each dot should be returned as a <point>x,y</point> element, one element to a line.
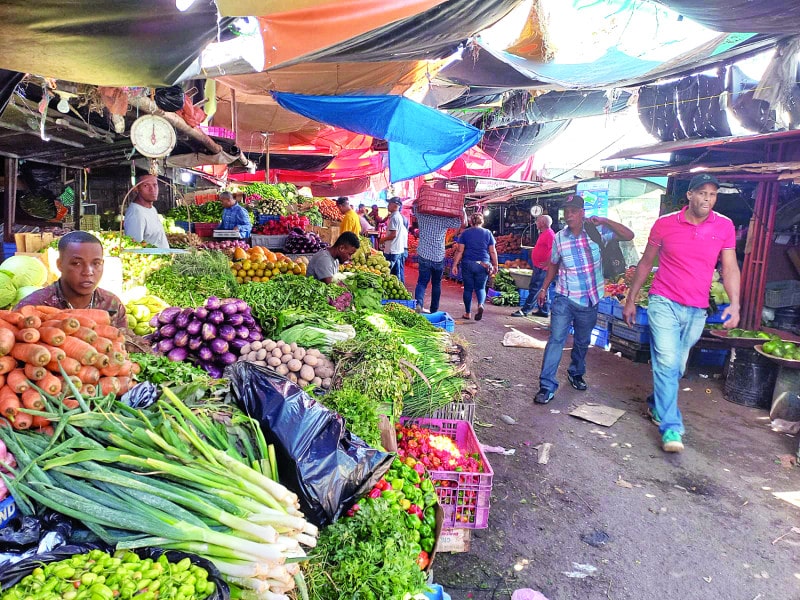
<point>420,139</point>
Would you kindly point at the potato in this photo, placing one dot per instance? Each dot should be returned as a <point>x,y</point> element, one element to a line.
<point>310,359</point>
<point>294,365</point>
<point>302,382</point>
<point>286,348</point>
<point>286,358</point>
<point>251,356</point>
<point>245,350</point>
<point>317,381</point>
<point>314,352</point>
<point>256,345</point>
<point>260,363</point>
<point>282,370</point>
<point>299,354</point>
<point>261,354</point>
<point>273,361</point>
<point>277,352</point>
<point>307,372</point>
<point>326,383</point>
<point>293,346</point>
<point>324,372</point>
<point>292,377</point>
<point>269,345</point>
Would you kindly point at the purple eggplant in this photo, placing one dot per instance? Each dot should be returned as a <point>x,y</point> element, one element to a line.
<point>212,369</point>
<point>208,331</point>
<point>194,327</point>
<point>230,308</point>
<point>201,313</point>
<point>168,331</point>
<point>219,346</point>
<point>177,354</point>
<point>213,303</point>
<point>226,332</point>
<point>184,318</point>
<point>205,353</point>
<point>237,344</point>
<point>194,343</point>
<point>242,332</point>
<point>154,322</point>
<point>249,321</point>
<point>168,314</point>
<point>254,336</point>
<point>181,339</point>
<point>227,359</point>
<point>165,346</point>
<point>217,317</point>
<point>235,319</point>
<point>242,307</point>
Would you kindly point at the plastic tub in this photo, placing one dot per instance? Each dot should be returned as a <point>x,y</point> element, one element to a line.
<point>442,320</point>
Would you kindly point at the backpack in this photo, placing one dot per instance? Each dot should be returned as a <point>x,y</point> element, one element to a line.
<point>610,253</point>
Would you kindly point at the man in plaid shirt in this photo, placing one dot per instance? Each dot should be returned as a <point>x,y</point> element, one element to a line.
<point>577,262</point>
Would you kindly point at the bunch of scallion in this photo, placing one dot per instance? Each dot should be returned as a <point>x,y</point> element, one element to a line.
<point>166,477</point>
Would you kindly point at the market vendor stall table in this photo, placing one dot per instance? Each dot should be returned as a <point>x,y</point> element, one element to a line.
<point>786,395</point>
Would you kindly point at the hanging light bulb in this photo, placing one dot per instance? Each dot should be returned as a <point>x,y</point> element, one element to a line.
<point>63,104</point>
<point>183,5</point>
<point>186,176</point>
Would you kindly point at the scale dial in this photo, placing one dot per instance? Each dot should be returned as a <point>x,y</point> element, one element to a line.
<point>153,136</point>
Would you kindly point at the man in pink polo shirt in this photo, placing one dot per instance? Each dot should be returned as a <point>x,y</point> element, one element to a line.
<point>688,245</point>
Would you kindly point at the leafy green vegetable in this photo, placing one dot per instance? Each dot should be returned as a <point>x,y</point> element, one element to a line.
<point>24,270</point>
<point>160,369</point>
<point>308,336</point>
<point>405,317</point>
<point>367,290</point>
<point>193,277</point>
<point>359,414</point>
<point>210,212</point>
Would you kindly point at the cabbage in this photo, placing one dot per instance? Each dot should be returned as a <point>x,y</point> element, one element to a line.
<point>8,291</point>
<point>25,290</point>
<point>24,270</point>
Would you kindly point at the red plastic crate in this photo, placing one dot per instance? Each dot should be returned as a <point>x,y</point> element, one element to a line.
<point>443,203</point>
<point>205,229</point>
<point>464,497</point>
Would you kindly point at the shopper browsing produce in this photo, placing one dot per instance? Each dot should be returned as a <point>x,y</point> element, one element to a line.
<point>688,245</point>
<point>234,216</point>
<point>477,257</point>
<point>362,218</point>
<point>350,220</point>
<point>395,239</point>
<point>142,222</point>
<point>325,263</point>
<point>80,260</point>
<point>430,251</point>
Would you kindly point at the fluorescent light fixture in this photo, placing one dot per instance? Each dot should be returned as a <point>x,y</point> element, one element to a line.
<point>183,5</point>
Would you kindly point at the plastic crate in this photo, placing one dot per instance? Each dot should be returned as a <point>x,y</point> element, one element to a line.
<point>599,337</point>
<point>443,203</point>
<point>780,294</point>
<point>272,242</point>
<point>464,497</point>
<point>206,197</point>
<point>8,510</point>
<point>219,132</point>
<point>641,313</point>
<point>456,411</point>
<point>442,320</point>
<point>708,357</point>
<point>186,226</point>
<point>205,229</point>
<point>9,249</point>
<point>502,258</point>
<point>604,322</point>
<point>639,353</point>
<point>262,219</point>
<point>606,306</point>
<point>490,293</point>
<point>412,304</point>
<point>437,592</point>
<point>717,316</point>
<point>638,333</point>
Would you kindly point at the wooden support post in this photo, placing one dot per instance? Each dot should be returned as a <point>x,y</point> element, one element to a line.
<point>79,175</point>
<point>10,198</point>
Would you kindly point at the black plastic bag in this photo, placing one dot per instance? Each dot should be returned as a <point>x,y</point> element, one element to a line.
<point>24,532</point>
<point>169,99</point>
<point>13,574</point>
<point>318,459</point>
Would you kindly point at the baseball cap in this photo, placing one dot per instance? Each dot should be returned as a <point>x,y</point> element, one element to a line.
<point>702,179</point>
<point>395,200</point>
<point>574,201</point>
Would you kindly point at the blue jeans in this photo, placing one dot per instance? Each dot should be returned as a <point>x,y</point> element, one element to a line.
<point>475,277</point>
<point>674,329</point>
<point>563,313</point>
<point>429,270</point>
<point>537,279</point>
<point>396,265</point>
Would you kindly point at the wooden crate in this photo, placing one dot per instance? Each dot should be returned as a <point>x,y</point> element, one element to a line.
<point>32,242</point>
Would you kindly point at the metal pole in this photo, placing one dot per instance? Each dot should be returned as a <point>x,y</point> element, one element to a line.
<point>79,178</point>
<point>10,197</point>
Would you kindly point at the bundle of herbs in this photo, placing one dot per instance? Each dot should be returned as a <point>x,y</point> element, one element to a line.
<point>359,413</point>
<point>193,277</point>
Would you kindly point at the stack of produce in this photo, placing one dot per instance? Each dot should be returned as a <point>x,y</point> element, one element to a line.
<point>370,258</point>
<point>260,264</point>
<point>394,289</point>
<point>140,308</point>
<point>302,366</point>
<point>20,276</point>
<point>508,244</point>
<point>270,199</point>
<point>40,347</point>
<point>359,413</point>
<point>504,283</point>
<point>781,349</point>
<point>159,370</point>
<point>283,226</point>
<point>299,242</point>
<point>192,277</point>
<point>517,263</point>
<point>329,209</point>
<point>194,479</point>
<point>619,288</point>
<point>210,212</point>
<point>212,335</point>
<point>183,240</point>
<point>313,215</point>
<point>224,245</point>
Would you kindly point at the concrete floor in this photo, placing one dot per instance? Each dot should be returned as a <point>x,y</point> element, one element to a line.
<point>698,525</point>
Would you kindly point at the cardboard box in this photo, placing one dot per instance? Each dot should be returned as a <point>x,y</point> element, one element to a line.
<point>453,540</point>
<point>32,242</point>
<point>8,510</point>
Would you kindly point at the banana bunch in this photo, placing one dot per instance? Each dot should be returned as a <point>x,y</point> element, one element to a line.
<point>141,310</point>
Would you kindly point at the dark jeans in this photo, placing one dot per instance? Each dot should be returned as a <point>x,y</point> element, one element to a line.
<point>396,265</point>
<point>432,271</point>
<point>475,277</point>
<point>563,313</point>
<point>531,302</point>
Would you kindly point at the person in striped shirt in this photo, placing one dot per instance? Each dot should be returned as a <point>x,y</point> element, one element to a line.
<point>577,262</point>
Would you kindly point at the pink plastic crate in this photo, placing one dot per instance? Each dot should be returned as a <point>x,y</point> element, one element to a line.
<point>220,132</point>
<point>464,497</point>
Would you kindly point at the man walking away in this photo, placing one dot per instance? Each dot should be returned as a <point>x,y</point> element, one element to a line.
<point>395,240</point>
<point>577,261</point>
<point>430,252</point>
<point>688,245</point>
<point>540,259</point>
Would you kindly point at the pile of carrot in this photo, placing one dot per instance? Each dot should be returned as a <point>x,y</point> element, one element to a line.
<point>37,342</point>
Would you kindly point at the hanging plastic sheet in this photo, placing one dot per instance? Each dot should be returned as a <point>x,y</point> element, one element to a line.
<point>318,459</point>
<point>775,16</point>
<point>513,144</point>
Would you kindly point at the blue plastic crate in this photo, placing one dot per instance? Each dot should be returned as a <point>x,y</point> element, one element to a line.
<point>9,249</point>
<point>8,510</point>
<point>641,313</point>
<point>412,304</point>
<point>262,219</point>
<point>185,225</point>
<point>442,320</point>
<point>490,293</point>
<point>638,333</point>
<point>606,306</point>
<point>717,316</point>
<point>599,337</point>
<point>708,357</point>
